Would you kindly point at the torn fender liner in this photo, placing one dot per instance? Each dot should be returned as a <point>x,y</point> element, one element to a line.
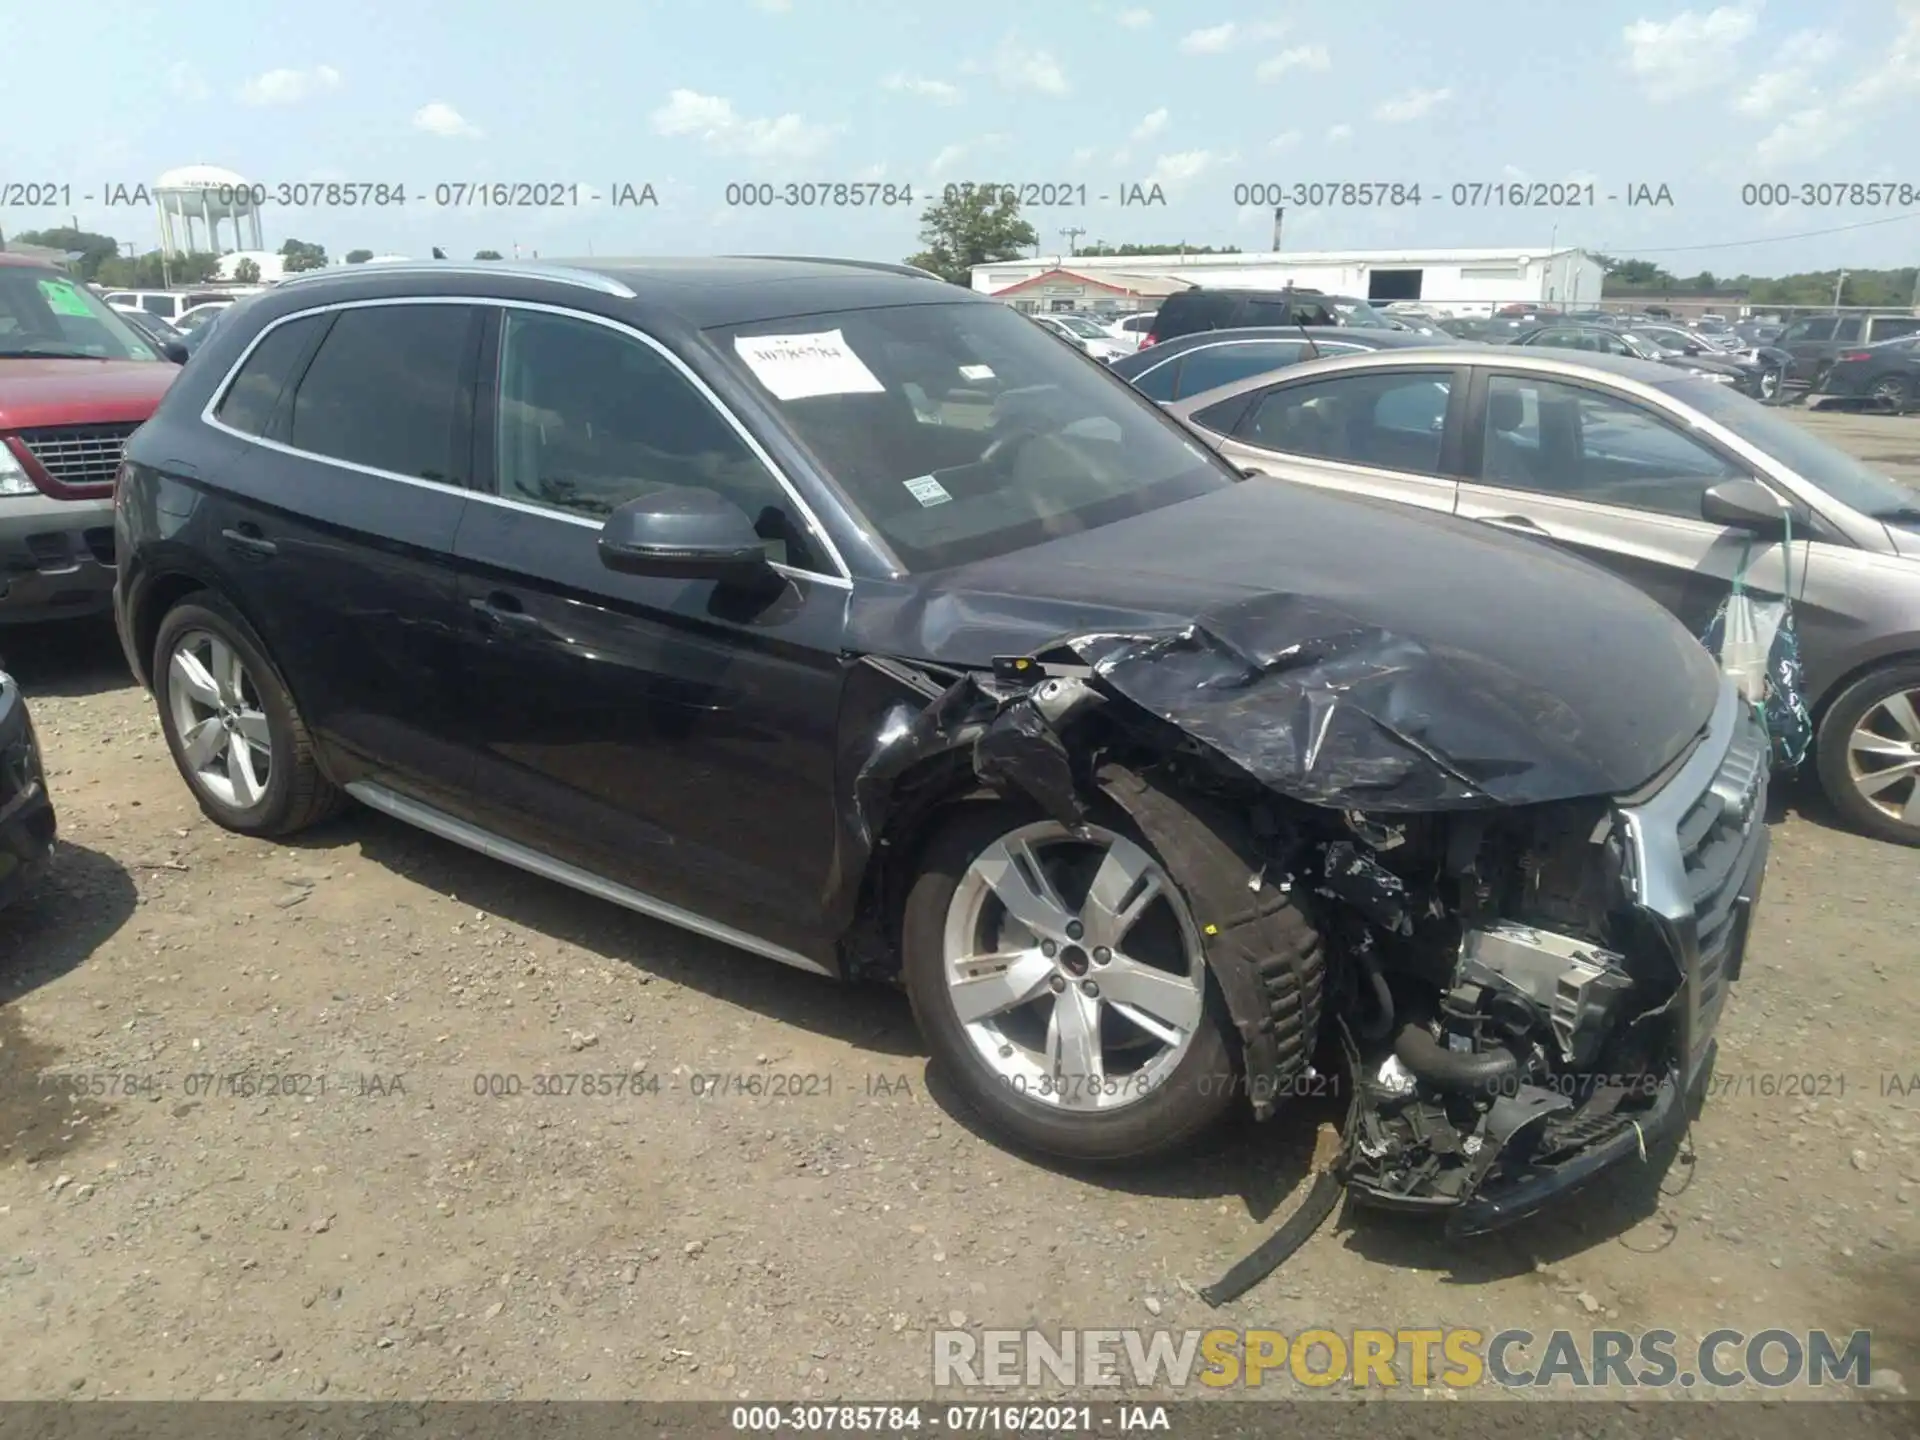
<point>1334,711</point>
<point>1266,957</point>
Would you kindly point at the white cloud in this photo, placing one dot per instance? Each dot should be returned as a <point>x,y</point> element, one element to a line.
<point>1210,41</point>
<point>1791,77</point>
<point>938,91</point>
<point>1300,57</point>
<point>1802,136</point>
<point>1411,106</point>
<point>1187,165</point>
<point>1152,125</point>
<point>1690,52</point>
<point>185,82</point>
<point>713,120</point>
<point>1898,73</point>
<point>440,118</point>
<point>946,162</point>
<point>1136,18</point>
<point>289,87</point>
<point>1084,155</point>
<point>1338,133</point>
<point>1285,140</point>
<point>1019,67</point>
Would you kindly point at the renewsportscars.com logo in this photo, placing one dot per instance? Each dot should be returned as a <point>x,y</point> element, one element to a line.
<point>1449,1358</point>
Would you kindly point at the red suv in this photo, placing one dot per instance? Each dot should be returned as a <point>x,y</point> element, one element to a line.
<point>75,381</point>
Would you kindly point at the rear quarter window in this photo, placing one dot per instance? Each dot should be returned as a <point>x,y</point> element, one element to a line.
<point>253,399</point>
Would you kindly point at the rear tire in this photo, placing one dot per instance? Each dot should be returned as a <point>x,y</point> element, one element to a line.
<point>232,726</point>
<point>1868,753</point>
<point>1894,392</point>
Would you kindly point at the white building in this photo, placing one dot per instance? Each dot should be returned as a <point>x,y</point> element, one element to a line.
<point>1463,281</point>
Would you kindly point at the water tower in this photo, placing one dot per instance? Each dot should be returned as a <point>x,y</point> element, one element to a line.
<point>208,195</point>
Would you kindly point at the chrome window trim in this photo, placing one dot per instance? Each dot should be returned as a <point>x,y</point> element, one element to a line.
<point>560,274</point>
<point>843,580</point>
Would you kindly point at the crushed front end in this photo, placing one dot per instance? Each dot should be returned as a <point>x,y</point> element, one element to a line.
<point>1533,993</point>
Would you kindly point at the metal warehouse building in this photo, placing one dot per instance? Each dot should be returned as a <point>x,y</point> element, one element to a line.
<point>1465,281</point>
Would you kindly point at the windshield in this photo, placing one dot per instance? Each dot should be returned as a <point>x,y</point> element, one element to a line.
<point>43,314</point>
<point>1086,329</point>
<point>960,432</point>
<point>1641,346</point>
<point>1358,312</point>
<point>1792,445</point>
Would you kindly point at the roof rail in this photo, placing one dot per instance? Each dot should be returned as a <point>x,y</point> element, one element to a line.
<point>885,266</point>
<point>565,275</point>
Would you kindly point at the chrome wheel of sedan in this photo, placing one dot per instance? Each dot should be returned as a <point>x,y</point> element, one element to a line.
<point>1892,392</point>
<point>225,738</point>
<point>1769,390</point>
<point>1883,756</point>
<point>1074,967</point>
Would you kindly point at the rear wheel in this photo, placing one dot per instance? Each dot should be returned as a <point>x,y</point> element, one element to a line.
<point>1767,390</point>
<point>1869,753</point>
<point>1893,391</point>
<point>232,725</point>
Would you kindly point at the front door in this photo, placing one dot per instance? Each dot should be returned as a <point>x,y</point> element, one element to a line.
<point>673,736</point>
<point>1612,478</point>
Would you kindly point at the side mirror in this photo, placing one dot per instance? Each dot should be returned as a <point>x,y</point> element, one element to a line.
<point>1744,505</point>
<point>176,352</point>
<point>682,533</point>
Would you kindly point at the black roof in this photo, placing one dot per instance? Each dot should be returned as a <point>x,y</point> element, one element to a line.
<point>699,291</point>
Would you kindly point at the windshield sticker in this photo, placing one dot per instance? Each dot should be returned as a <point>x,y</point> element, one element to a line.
<point>927,490</point>
<point>63,299</point>
<point>976,372</point>
<point>799,367</point>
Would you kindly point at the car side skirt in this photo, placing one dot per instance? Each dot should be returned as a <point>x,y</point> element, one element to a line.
<point>460,832</point>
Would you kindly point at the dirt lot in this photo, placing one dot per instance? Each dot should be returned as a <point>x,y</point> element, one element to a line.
<point>405,1234</point>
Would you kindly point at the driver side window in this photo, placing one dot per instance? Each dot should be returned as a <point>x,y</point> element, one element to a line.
<point>589,418</point>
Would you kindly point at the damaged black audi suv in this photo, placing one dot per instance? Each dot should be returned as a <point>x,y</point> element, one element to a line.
<point>843,616</point>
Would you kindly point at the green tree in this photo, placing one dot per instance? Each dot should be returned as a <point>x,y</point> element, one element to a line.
<point>486,254</point>
<point>151,272</point>
<point>359,257</point>
<point>971,227</point>
<point>303,255</point>
<point>247,272</point>
<point>93,249</point>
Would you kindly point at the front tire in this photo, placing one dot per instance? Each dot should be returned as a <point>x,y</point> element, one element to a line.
<point>230,721</point>
<point>1868,753</point>
<point>1062,983</point>
<point>1767,389</point>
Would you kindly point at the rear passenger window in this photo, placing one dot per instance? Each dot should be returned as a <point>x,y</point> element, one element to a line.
<point>384,390</point>
<point>1886,328</point>
<point>1216,365</point>
<point>253,399</point>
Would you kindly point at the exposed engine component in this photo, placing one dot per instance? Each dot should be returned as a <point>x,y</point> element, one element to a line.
<point>1576,984</point>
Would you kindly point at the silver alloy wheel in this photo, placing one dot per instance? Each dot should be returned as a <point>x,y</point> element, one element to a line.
<point>1074,966</point>
<point>1883,756</point>
<point>1891,393</point>
<point>225,737</point>
<point>1770,384</point>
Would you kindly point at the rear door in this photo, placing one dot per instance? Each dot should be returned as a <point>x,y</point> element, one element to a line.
<point>1615,479</point>
<point>337,524</point>
<point>1808,341</point>
<point>1392,433</point>
<point>673,736</point>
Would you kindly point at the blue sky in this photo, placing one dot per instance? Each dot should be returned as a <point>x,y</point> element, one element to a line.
<point>688,97</point>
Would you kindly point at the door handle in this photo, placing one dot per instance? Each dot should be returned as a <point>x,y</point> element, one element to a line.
<point>247,540</point>
<point>1518,523</point>
<point>503,611</point>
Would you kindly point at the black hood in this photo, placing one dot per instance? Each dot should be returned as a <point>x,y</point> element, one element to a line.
<point>1343,651</point>
<point>1712,364</point>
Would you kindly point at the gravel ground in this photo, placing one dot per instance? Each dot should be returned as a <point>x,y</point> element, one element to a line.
<point>390,1229</point>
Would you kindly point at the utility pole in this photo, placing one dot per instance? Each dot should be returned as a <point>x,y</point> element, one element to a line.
<point>1071,234</point>
<point>1838,287</point>
<point>1279,214</point>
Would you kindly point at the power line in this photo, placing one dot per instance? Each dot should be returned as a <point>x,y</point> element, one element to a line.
<point>1778,239</point>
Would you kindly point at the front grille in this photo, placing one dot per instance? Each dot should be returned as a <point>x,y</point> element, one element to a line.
<point>1717,835</point>
<point>80,455</point>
